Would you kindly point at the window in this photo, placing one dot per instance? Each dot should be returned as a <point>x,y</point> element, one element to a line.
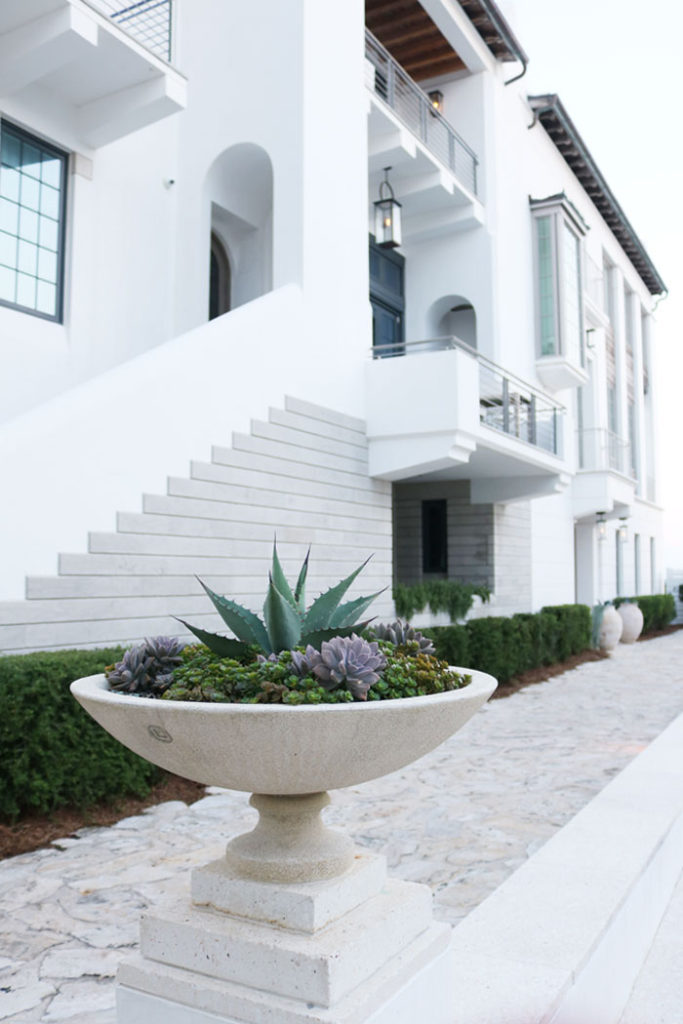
<point>558,232</point>
<point>434,537</point>
<point>32,199</point>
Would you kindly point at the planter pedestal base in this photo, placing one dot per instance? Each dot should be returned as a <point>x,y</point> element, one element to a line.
<point>352,949</point>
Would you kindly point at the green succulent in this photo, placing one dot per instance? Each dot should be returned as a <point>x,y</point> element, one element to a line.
<point>286,622</point>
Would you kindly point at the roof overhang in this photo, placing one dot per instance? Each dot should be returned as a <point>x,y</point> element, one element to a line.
<point>548,109</point>
<point>412,37</point>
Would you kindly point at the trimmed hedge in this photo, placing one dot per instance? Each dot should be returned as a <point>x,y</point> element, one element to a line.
<point>658,609</point>
<point>52,753</point>
<point>505,647</point>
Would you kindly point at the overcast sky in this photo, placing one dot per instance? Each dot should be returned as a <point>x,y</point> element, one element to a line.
<point>616,66</point>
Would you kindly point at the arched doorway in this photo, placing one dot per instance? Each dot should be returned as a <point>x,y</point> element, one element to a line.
<point>219,279</point>
<point>454,316</point>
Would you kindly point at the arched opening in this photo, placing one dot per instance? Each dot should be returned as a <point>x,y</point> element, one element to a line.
<point>219,279</point>
<point>454,316</point>
<point>239,194</point>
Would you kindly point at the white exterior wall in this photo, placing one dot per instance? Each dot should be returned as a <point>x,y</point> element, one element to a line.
<point>273,146</point>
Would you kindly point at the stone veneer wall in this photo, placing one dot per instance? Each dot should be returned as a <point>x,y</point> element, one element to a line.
<point>489,544</point>
<point>302,475</point>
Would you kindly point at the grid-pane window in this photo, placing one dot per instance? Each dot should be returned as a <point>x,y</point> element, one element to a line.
<point>434,537</point>
<point>32,187</point>
<point>546,286</point>
<point>571,311</point>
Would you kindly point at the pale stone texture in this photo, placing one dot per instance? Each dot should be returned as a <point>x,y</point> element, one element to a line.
<point>460,820</point>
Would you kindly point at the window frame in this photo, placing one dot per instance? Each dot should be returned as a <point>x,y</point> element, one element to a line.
<point>561,215</point>
<point>63,157</point>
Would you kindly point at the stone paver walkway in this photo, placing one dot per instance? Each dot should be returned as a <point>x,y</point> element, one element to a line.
<point>461,820</point>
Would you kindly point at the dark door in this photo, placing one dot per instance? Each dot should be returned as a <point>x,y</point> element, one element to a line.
<point>386,297</point>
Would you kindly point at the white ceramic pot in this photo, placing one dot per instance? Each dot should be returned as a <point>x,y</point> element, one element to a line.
<point>632,619</point>
<point>610,629</point>
<point>287,757</point>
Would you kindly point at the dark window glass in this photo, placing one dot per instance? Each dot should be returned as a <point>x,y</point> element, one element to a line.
<point>32,190</point>
<point>434,537</point>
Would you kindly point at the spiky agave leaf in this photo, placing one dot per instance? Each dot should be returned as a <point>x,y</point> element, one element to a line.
<point>280,580</point>
<point>246,626</point>
<point>223,646</point>
<point>316,638</point>
<point>346,614</point>
<point>300,588</point>
<point>320,613</point>
<point>283,621</point>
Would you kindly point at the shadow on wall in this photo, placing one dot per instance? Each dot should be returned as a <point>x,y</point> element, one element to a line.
<point>453,315</point>
<point>239,192</point>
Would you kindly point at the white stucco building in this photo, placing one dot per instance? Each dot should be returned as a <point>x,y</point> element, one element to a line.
<point>197,352</point>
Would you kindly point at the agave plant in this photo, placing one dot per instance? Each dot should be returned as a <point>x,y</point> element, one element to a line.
<point>286,622</point>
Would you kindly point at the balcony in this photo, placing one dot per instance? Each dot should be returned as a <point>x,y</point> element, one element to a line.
<point>103,64</point>
<point>434,170</point>
<point>148,21</point>
<point>606,480</point>
<point>442,411</point>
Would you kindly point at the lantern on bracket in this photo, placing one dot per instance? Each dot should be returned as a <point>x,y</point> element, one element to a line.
<point>601,521</point>
<point>436,100</point>
<point>387,215</point>
<point>622,529</point>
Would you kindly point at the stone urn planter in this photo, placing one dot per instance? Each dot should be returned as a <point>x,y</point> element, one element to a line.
<point>294,923</point>
<point>632,621</point>
<point>609,626</point>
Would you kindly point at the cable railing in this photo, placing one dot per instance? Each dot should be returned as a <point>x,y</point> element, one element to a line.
<point>147,21</point>
<point>602,450</point>
<point>412,106</point>
<point>506,402</point>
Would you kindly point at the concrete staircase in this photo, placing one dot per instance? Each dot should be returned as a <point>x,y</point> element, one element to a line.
<point>301,475</point>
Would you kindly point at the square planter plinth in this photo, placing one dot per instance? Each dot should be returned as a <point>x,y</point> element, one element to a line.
<point>353,949</point>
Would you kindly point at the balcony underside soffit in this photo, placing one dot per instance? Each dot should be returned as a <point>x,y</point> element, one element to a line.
<point>412,38</point>
<point>106,82</point>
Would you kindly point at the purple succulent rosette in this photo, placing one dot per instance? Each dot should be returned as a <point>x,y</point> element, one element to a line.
<point>346,661</point>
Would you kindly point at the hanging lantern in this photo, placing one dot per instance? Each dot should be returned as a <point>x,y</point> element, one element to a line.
<point>623,530</point>
<point>601,521</point>
<point>387,216</point>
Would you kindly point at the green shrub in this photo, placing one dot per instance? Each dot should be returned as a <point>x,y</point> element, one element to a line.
<point>52,753</point>
<point>505,647</point>
<point>449,596</point>
<point>658,609</point>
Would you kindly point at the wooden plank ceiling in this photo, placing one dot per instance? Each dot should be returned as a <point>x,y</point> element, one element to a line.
<point>412,38</point>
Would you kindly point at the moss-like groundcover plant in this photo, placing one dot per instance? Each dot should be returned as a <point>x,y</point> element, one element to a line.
<point>319,655</point>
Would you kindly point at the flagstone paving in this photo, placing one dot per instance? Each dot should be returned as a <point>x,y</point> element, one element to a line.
<point>461,820</point>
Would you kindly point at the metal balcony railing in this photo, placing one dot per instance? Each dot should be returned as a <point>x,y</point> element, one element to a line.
<point>602,450</point>
<point>414,108</point>
<point>506,402</point>
<point>147,21</point>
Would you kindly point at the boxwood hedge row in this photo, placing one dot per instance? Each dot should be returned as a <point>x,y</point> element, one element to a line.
<point>504,647</point>
<point>658,609</point>
<point>51,752</point>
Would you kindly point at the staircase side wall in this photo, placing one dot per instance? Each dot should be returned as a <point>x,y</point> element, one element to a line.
<point>301,475</point>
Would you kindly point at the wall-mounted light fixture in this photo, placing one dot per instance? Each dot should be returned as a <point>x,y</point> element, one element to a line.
<point>601,521</point>
<point>622,529</point>
<point>387,216</point>
<point>436,99</point>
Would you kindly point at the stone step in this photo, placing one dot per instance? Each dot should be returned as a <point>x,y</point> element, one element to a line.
<point>178,565</point>
<point>253,479</point>
<point>267,464</point>
<point>216,547</point>
<point>300,456</point>
<point>302,536</point>
<point>325,415</point>
<point>284,433</point>
<point>273,501</point>
<point>321,428</point>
